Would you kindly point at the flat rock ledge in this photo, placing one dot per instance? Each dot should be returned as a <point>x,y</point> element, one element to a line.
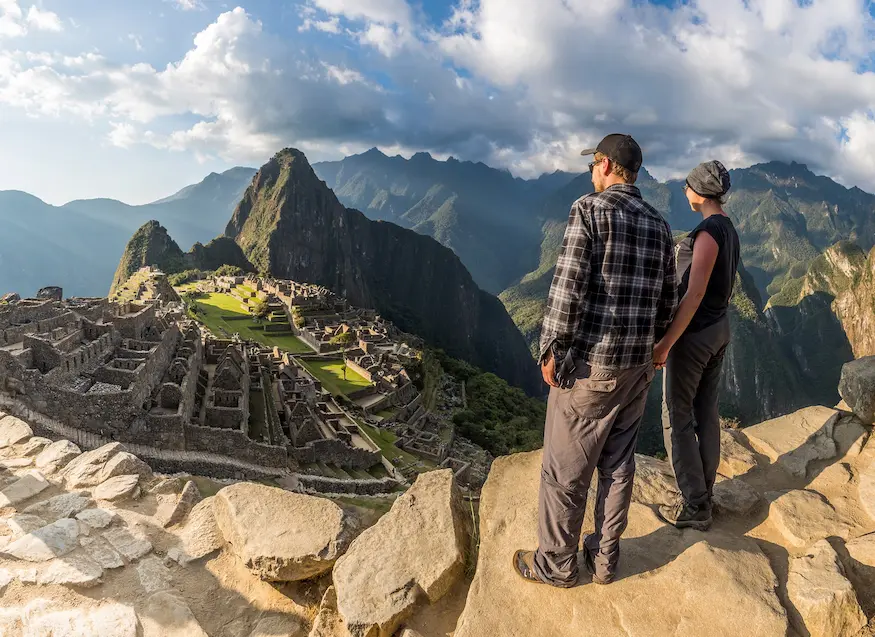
<point>823,596</point>
<point>413,555</point>
<point>282,536</point>
<point>700,580</point>
<point>794,441</point>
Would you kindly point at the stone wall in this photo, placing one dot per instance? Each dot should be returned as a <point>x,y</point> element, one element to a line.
<point>322,484</point>
<point>337,453</point>
<point>234,444</point>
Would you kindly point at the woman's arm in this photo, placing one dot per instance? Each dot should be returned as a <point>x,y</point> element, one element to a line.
<point>705,251</point>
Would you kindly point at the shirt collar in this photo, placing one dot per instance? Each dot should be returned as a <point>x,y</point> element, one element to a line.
<point>628,189</point>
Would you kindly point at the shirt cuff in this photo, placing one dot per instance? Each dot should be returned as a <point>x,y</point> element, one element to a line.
<point>552,347</point>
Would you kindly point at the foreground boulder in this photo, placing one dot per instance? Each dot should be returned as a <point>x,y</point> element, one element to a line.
<point>670,582</point>
<point>279,535</point>
<point>794,441</point>
<point>413,555</point>
<point>857,388</point>
<point>13,430</point>
<point>823,596</point>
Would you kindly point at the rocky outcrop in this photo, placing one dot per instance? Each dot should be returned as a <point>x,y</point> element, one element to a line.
<point>794,441</point>
<point>700,581</point>
<point>312,534</point>
<point>413,555</point>
<point>857,388</point>
<point>823,596</point>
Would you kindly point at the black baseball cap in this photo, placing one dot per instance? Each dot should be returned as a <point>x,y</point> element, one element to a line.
<point>621,149</point>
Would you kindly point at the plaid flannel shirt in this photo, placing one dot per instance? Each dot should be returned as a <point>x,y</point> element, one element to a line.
<point>614,292</point>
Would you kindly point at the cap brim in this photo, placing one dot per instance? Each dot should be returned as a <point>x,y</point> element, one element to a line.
<point>589,151</point>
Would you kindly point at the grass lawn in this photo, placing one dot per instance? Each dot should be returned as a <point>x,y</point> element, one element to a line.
<point>330,374</point>
<point>215,308</point>
<point>393,454</point>
<point>386,413</point>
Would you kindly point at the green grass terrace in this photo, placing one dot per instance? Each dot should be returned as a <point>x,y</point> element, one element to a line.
<point>330,373</point>
<point>224,315</point>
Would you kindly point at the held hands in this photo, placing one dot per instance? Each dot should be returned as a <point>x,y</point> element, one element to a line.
<point>660,354</point>
<point>548,370</point>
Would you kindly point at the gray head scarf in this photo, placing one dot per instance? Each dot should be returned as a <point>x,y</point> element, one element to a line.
<point>710,179</point>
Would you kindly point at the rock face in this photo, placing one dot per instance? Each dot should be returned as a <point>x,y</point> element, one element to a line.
<point>117,488</point>
<point>200,536</point>
<point>735,459</point>
<point>84,471</point>
<point>56,456</point>
<point>700,585</point>
<point>857,387</point>
<point>13,431</point>
<point>53,540</point>
<point>655,483</point>
<point>414,554</point>
<point>796,440</point>
<point>314,532</point>
<point>26,487</point>
<point>803,517</point>
<point>823,596</point>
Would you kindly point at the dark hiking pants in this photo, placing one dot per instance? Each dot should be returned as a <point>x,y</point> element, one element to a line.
<point>690,419</point>
<point>592,425</point>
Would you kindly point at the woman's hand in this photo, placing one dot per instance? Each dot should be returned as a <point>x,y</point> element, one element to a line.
<point>548,371</point>
<point>660,354</point>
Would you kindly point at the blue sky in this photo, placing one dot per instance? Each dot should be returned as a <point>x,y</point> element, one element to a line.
<point>134,100</point>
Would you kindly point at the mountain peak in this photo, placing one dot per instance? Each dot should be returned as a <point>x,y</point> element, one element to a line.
<point>150,245</point>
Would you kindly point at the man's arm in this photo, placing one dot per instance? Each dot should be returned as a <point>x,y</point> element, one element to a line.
<point>668,301</point>
<point>567,290</point>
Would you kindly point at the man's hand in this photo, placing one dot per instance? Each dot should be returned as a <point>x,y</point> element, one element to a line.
<point>660,354</point>
<point>548,370</point>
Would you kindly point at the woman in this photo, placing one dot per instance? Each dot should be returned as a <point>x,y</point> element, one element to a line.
<point>693,347</point>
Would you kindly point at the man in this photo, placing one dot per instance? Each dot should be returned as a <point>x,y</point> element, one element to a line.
<point>612,297</point>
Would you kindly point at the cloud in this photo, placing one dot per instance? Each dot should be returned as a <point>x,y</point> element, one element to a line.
<point>43,20</point>
<point>15,23</point>
<point>189,5</point>
<point>517,83</point>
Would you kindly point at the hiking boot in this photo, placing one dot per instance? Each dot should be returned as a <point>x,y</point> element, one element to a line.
<point>589,562</point>
<point>524,566</point>
<point>684,515</point>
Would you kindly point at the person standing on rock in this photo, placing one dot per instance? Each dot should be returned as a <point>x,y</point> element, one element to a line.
<point>612,297</point>
<point>692,349</point>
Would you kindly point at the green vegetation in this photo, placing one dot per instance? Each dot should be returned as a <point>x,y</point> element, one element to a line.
<point>343,340</point>
<point>225,315</point>
<point>259,308</point>
<point>336,377</point>
<point>385,440</point>
<point>229,270</point>
<point>499,418</point>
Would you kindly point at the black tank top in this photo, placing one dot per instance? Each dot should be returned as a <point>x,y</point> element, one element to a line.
<point>722,282</point>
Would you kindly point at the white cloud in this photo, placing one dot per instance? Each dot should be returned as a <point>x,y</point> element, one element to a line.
<point>518,83</point>
<point>189,5</point>
<point>15,23</point>
<point>43,20</point>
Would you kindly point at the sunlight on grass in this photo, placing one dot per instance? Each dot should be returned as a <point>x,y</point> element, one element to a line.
<point>330,374</point>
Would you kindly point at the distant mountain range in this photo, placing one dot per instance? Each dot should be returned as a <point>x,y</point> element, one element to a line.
<point>506,232</point>
<point>78,245</point>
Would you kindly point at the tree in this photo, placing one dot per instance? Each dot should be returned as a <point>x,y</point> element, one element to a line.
<point>260,309</point>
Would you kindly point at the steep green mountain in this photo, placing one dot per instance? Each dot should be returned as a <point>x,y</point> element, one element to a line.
<point>827,316</point>
<point>152,245</point>
<point>78,246</point>
<point>786,216</point>
<point>291,224</point>
<point>484,215</point>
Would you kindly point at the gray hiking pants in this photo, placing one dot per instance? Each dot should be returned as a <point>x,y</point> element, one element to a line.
<point>592,425</point>
<point>690,418</point>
